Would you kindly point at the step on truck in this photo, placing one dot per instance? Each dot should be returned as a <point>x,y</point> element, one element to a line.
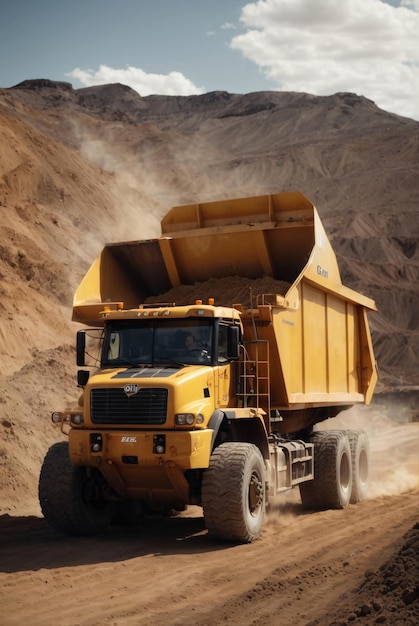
<point>199,398</point>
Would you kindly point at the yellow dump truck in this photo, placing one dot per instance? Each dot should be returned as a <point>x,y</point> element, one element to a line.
<point>200,398</point>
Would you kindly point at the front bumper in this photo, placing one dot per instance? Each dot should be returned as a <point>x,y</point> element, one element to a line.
<point>134,469</point>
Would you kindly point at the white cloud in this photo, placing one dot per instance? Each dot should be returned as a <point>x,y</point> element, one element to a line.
<point>228,26</point>
<point>172,84</point>
<point>410,3</point>
<point>364,46</point>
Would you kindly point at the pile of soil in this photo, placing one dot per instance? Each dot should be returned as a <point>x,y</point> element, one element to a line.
<point>225,291</point>
<point>389,595</point>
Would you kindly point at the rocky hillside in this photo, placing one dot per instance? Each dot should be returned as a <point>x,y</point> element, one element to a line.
<point>79,168</point>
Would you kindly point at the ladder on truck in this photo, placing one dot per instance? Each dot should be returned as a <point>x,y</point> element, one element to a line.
<point>254,377</point>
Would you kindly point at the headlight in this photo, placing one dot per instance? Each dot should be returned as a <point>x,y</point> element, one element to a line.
<point>56,418</point>
<point>73,417</point>
<point>184,419</point>
<point>96,442</point>
<point>77,418</point>
<point>159,444</point>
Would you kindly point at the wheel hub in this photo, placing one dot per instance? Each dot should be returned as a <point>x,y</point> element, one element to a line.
<point>255,493</point>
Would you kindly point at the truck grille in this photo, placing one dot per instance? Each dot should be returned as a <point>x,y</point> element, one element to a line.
<point>113,406</point>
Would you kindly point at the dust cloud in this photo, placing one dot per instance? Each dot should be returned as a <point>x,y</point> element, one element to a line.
<point>394,459</point>
<point>158,173</point>
<point>137,213</point>
<point>394,445</point>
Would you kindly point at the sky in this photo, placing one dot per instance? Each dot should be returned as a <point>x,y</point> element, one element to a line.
<point>186,47</point>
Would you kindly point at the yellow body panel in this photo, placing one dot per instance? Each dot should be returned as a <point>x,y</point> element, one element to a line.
<point>316,350</point>
<point>185,391</point>
<point>153,477</point>
<point>188,449</point>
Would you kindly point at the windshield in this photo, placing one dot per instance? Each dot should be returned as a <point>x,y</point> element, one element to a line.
<point>182,342</point>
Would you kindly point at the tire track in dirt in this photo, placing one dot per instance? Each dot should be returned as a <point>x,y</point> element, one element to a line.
<point>170,572</point>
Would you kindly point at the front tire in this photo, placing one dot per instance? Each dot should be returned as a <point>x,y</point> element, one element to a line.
<point>62,495</point>
<point>332,484</point>
<point>233,492</point>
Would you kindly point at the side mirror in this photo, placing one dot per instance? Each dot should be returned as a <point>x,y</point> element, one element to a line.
<point>81,348</point>
<point>233,339</point>
<point>82,377</point>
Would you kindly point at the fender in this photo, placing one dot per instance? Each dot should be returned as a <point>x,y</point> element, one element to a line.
<point>239,428</point>
<point>214,424</point>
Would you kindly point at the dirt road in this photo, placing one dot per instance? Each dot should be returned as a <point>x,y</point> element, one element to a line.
<point>307,568</point>
<point>169,572</point>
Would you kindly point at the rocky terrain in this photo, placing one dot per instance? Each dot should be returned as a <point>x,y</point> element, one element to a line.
<point>79,168</point>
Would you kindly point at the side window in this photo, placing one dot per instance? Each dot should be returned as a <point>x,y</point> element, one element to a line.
<point>113,352</point>
<point>131,344</point>
<point>222,344</point>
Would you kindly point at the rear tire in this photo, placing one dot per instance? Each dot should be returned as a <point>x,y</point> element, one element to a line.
<point>332,484</point>
<point>62,488</point>
<point>233,492</point>
<point>360,453</point>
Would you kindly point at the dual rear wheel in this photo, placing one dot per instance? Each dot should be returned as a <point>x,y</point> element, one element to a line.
<point>341,468</point>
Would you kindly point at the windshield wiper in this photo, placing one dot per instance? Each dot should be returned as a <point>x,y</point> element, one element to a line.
<point>167,359</point>
<point>127,362</point>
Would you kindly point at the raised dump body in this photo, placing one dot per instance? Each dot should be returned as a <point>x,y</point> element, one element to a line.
<point>222,343</point>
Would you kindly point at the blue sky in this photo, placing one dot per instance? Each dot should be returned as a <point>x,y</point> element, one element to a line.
<point>182,47</point>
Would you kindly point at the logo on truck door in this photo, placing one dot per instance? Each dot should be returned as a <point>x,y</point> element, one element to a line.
<point>131,389</point>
